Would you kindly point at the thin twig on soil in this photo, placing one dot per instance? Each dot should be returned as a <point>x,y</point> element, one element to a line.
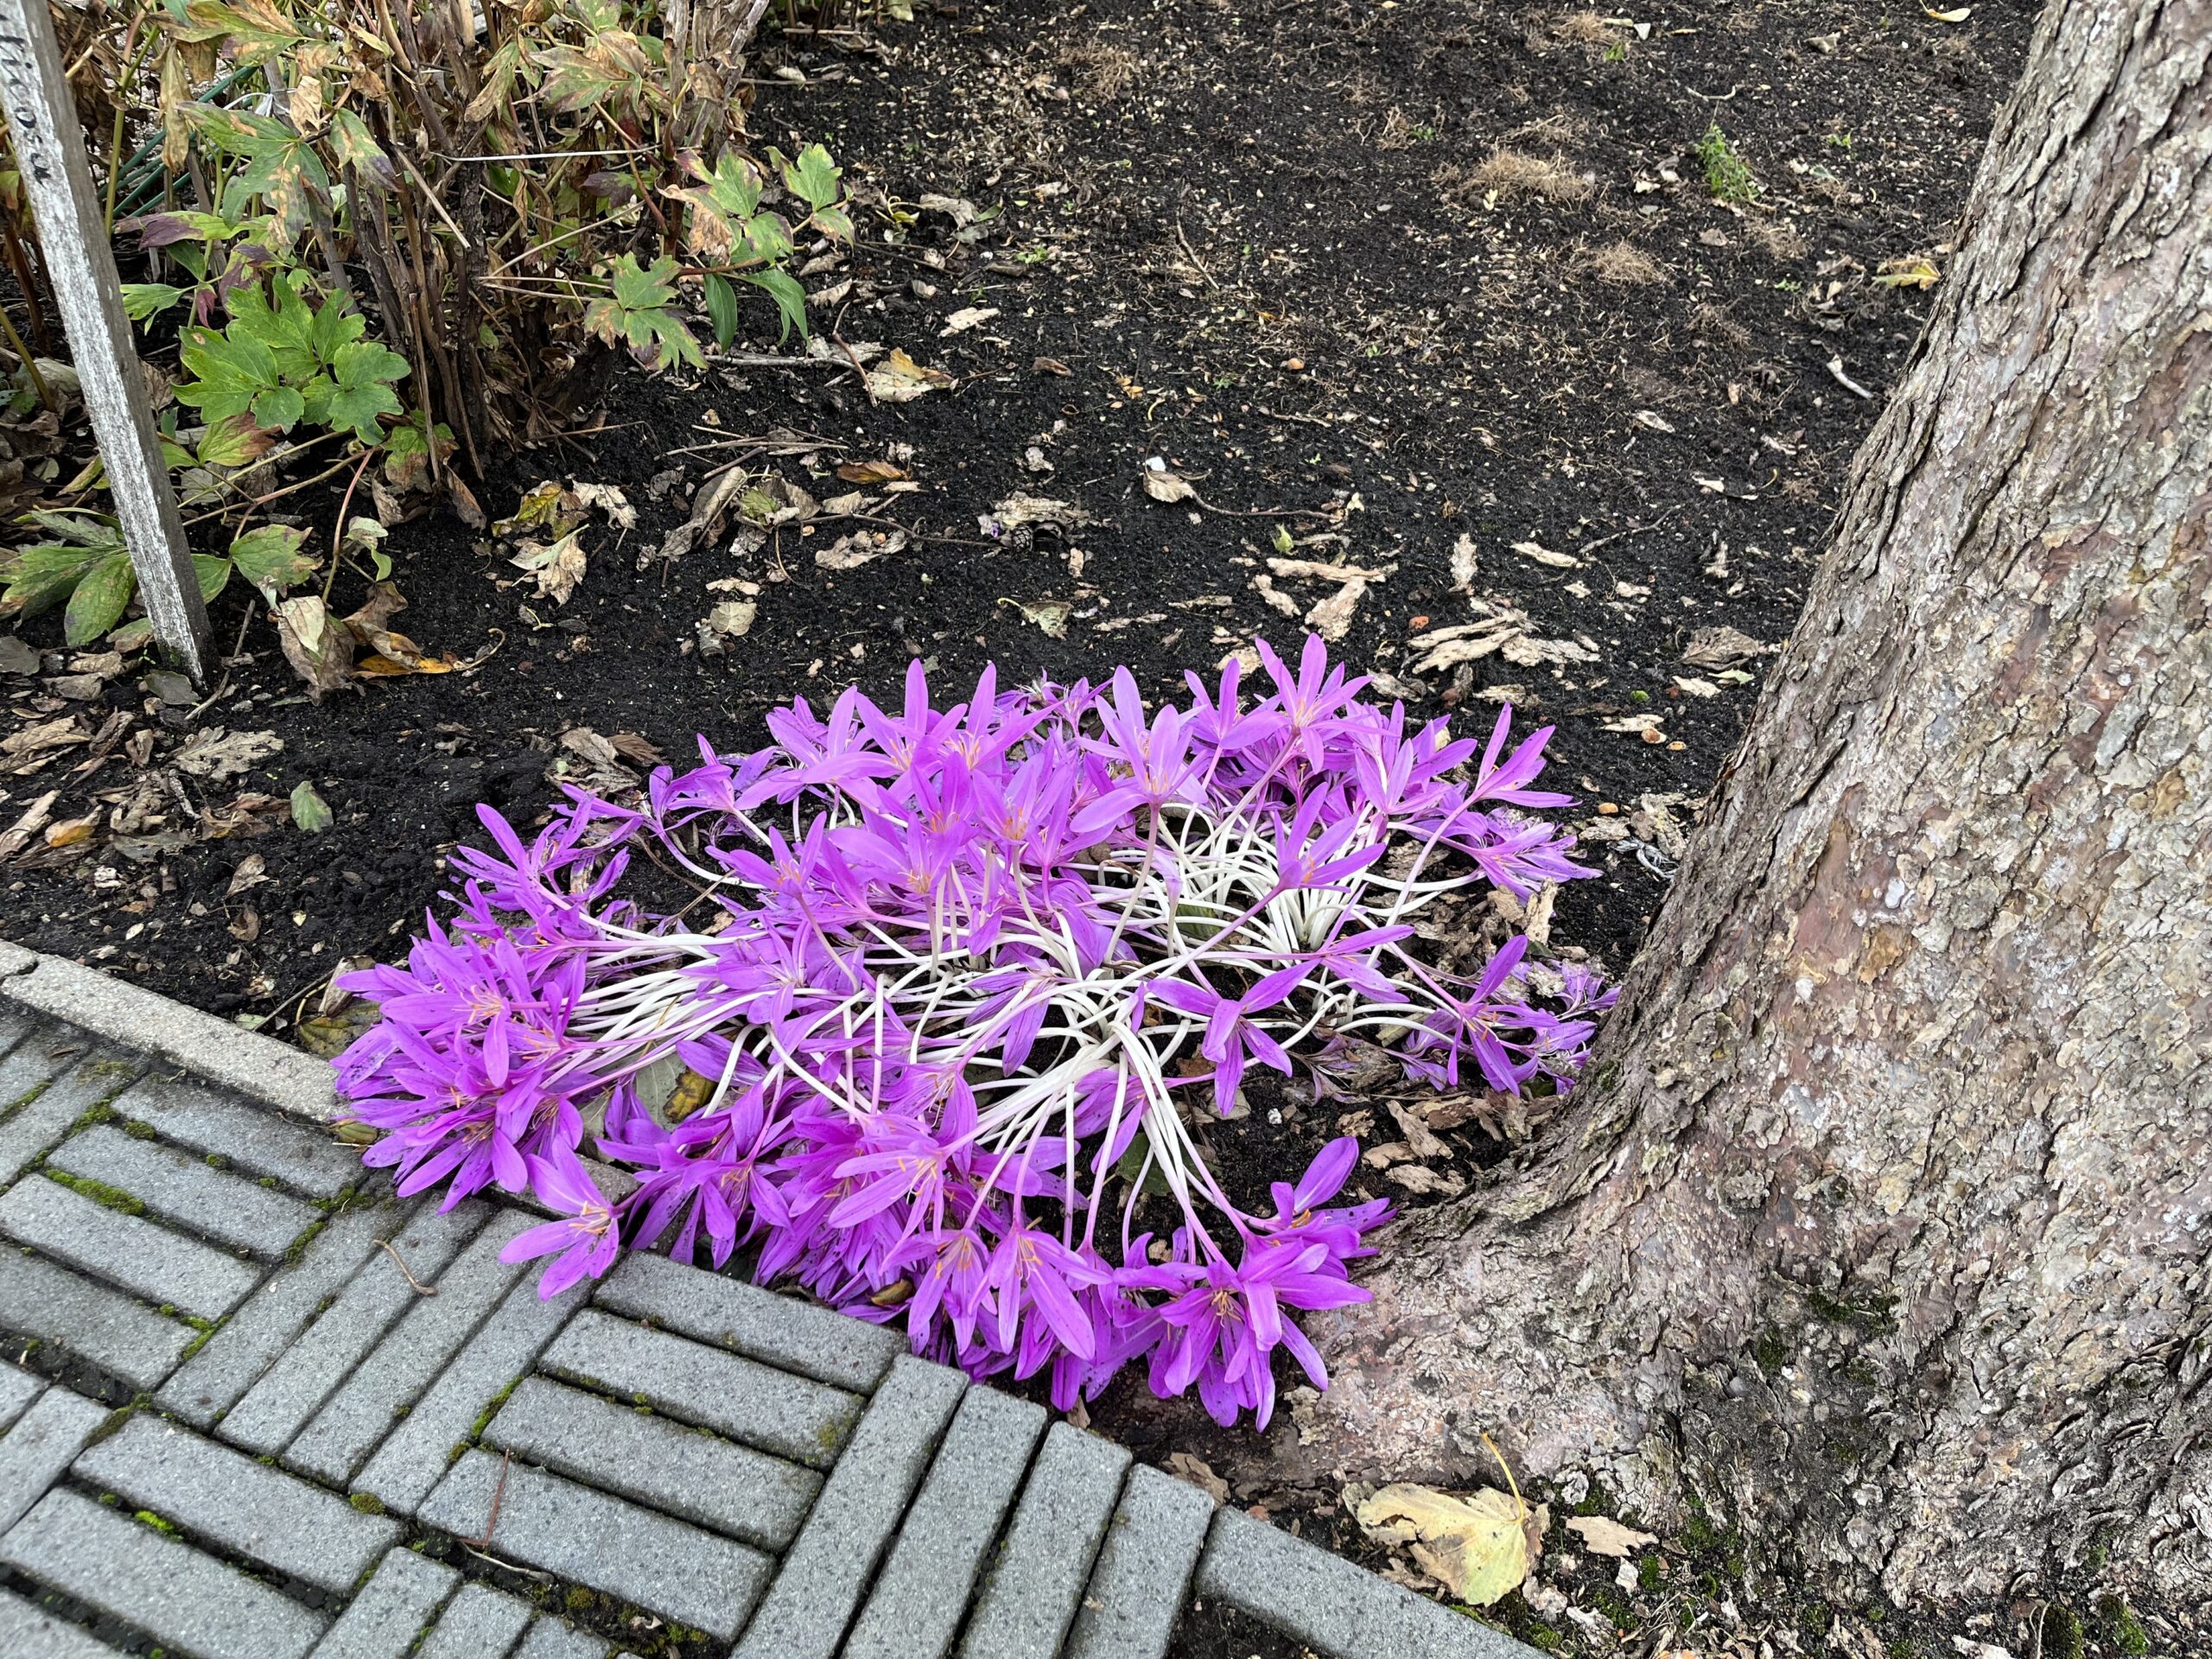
<point>1588,548</point>
<point>775,361</point>
<point>1197,263</point>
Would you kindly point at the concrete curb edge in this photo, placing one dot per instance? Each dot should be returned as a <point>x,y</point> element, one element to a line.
<point>291,1080</point>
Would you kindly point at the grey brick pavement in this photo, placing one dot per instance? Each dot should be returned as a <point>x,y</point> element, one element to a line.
<point>351,1433</point>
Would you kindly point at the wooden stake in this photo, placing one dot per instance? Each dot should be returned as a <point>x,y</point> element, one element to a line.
<point>56,173</point>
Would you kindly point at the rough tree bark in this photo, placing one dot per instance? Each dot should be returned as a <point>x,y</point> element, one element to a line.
<point>1879,1227</point>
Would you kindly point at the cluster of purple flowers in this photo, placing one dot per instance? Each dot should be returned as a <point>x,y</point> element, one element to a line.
<point>953,993</point>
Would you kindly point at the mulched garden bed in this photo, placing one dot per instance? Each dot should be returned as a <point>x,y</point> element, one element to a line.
<point>1385,285</point>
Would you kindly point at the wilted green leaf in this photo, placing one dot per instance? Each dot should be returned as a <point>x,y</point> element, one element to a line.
<point>232,441</point>
<point>640,313</point>
<point>270,558</point>
<point>309,810</point>
<point>42,576</point>
<point>357,147</point>
<point>254,29</point>
<point>98,604</point>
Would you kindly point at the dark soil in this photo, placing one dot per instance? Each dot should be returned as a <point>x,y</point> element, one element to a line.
<point>1211,1631</point>
<point>1241,236</point>
<point>1378,276</point>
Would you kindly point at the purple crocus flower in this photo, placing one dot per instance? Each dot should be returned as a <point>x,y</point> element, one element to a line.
<point>1232,1035</point>
<point>944,973</point>
<point>585,1240</point>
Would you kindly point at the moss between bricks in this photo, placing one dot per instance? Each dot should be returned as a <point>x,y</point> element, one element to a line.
<point>24,1099</point>
<point>114,1198</point>
<point>113,1422</point>
<point>90,1117</point>
<point>298,1247</point>
<point>368,1502</point>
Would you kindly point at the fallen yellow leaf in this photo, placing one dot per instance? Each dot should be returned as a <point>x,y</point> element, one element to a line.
<point>1476,1546</point>
<point>1603,1537</point>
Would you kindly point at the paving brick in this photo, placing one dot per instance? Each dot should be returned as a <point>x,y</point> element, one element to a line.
<point>781,1331</point>
<point>1340,1610</point>
<point>18,1388</point>
<point>126,1250</point>
<point>31,1633</point>
<point>1136,1590</point>
<point>789,1415</point>
<point>43,1443</point>
<point>90,1320</point>
<point>180,1596</point>
<point>290,1391</point>
<point>477,1624</point>
<point>38,1052</point>
<point>15,1022</point>
<point>833,1558</point>
<point>586,1537</point>
<point>1029,1597</point>
<point>394,1607</point>
<point>550,1639</point>
<point>751,1497</point>
<point>415,1454</point>
<point>247,1508</point>
<point>39,1124</point>
<point>915,1605</point>
<point>180,1185</point>
<point>368,1404</point>
<point>253,1339</point>
<point>252,1137</point>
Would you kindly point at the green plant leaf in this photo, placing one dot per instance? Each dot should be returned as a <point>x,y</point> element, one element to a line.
<point>767,239</point>
<point>101,596</point>
<point>813,177</point>
<point>637,288</point>
<point>41,576</point>
<point>640,313</point>
<point>285,326</point>
<point>228,372</point>
<point>145,300</point>
<point>278,409</point>
<point>363,372</point>
<point>791,299</point>
<point>82,528</point>
<point>270,558</point>
<point>335,325</point>
<point>214,575</point>
<point>722,306</point>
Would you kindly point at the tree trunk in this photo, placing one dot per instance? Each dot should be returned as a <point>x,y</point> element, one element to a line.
<point>1878,1229</point>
